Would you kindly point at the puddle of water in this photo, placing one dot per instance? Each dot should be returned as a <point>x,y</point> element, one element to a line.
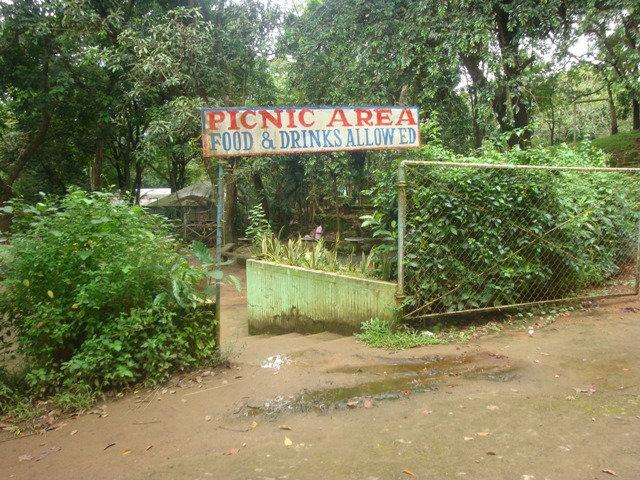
<point>391,381</point>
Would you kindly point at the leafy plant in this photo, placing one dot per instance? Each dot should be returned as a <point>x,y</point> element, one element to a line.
<point>258,224</point>
<point>384,334</point>
<point>315,255</point>
<point>99,294</point>
<point>481,238</point>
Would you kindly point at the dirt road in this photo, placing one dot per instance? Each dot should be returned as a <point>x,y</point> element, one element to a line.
<point>561,404</point>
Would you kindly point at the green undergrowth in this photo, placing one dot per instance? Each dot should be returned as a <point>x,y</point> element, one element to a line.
<point>386,334</point>
<point>97,296</point>
<point>394,336</point>
<point>624,148</point>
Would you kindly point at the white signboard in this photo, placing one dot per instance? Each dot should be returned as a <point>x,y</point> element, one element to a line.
<point>228,132</point>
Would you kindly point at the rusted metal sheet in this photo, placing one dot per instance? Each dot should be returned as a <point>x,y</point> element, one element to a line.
<point>243,131</point>
<point>283,298</point>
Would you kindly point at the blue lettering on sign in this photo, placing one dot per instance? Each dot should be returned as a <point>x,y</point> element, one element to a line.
<point>412,135</point>
<point>314,138</point>
<point>388,134</point>
<point>337,138</point>
<point>403,136</point>
<point>295,140</point>
<point>284,139</point>
<point>237,141</point>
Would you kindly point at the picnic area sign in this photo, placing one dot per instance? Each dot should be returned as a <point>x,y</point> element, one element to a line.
<point>244,131</point>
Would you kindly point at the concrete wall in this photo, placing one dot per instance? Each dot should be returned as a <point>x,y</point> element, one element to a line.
<point>282,299</point>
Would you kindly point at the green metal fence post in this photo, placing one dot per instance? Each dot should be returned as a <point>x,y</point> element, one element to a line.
<point>637,289</point>
<point>219,240</point>
<point>402,217</point>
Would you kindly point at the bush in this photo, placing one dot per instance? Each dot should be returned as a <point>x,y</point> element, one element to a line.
<point>315,256</point>
<point>484,238</point>
<point>98,293</point>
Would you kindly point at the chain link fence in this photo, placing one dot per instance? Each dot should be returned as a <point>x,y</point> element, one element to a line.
<point>482,237</point>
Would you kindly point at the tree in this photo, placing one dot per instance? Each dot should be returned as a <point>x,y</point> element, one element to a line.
<point>615,26</point>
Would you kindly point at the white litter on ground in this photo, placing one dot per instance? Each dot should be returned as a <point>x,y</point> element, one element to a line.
<point>275,362</point>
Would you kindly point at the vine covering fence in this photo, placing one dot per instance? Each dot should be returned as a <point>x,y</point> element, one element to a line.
<point>479,237</point>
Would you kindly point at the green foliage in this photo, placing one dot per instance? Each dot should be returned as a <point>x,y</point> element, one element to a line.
<point>482,238</point>
<point>97,293</point>
<point>258,224</point>
<point>384,334</point>
<point>78,397</point>
<point>623,147</point>
<point>315,255</point>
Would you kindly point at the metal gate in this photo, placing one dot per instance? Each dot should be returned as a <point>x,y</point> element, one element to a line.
<point>480,237</point>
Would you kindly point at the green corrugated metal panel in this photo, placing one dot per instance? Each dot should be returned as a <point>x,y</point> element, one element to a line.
<point>282,298</point>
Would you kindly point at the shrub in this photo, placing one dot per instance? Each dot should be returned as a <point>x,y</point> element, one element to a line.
<point>314,255</point>
<point>483,238</point>
<point>258,224</point>
<point>98,293</point>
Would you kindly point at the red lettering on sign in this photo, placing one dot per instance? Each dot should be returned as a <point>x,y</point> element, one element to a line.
<point>406,112</point>
<point>383,117</point>
<point>363,117</point>
<point>301,119</point>
<point>275,120</point>
<point>233,120</point>
<point>338,116</point>
<point>292,119</point>
<point>243,119</point>
<point>214,119</point>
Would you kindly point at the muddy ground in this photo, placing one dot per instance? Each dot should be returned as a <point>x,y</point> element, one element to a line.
<point>561,404</point>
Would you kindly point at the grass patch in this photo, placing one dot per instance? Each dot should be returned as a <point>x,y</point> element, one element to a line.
<point>623,147</point>
<point>78,398</point>
<point>383,334</point>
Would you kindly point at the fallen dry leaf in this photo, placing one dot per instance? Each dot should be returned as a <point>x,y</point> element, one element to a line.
<point>73,432</point>
<point>149,447</point>
<point>287,442</point>
<point>466,439</point>
<point>610,472</point>
<point>126,452</point>
<point>231,451</point>
<point>482,434</point>
<point>285,427</point>
<point>406,471</point>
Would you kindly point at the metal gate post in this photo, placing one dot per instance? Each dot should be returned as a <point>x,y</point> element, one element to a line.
<point>219,232</point>
<point>402,218</point>
<point>637,289</point>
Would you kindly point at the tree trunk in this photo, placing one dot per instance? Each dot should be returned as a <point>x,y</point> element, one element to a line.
<point>552,126</point>
<point>137,184</point>
<point>636,114</point>
<point>612,111</point>
<point>95,169</point>
<point>520,122</point>
<point>25,155</point>
<point>259,186</point>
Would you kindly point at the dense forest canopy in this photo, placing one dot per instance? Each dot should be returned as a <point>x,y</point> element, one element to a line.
<point>104,94</point>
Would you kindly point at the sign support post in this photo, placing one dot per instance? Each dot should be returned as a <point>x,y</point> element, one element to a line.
<point>219,240</point>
